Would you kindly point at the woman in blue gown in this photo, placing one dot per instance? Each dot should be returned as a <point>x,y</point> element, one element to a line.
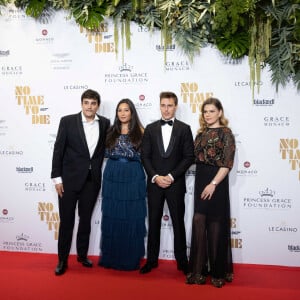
<point>123,193</point>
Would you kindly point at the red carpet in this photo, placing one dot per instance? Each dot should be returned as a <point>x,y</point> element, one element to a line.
<point>31,276</point>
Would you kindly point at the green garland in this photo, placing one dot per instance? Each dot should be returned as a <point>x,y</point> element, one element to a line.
<point>267,31</point>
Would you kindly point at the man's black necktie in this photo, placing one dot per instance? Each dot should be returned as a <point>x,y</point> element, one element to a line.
<point>169,122</point>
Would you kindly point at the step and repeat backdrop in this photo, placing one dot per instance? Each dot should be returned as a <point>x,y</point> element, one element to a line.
<point>45,67</point>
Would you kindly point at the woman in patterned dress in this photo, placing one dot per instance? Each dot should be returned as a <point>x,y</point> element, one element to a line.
<point>210,252</point>
<point>123,193</point>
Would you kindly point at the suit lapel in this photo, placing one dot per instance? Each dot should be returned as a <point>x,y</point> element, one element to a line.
<point>159,139</point>
<point>81,133</point>
<point>160,142</point>
<point>101,135</point>
<point>172,139</point>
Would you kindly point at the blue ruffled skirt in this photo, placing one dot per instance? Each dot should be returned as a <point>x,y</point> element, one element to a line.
<point>123,227</point>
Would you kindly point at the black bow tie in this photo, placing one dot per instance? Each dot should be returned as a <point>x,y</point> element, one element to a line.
<point>169,122</point>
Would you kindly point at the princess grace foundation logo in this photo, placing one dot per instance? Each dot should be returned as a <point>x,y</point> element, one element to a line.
<point>126,75</point>
<point>267,199</point>
<point>22,243</point>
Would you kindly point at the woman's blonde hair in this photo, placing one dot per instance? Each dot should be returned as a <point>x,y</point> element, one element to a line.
<point>217,103</point>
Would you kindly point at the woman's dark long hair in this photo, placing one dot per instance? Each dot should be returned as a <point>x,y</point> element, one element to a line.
<point>136,129</point>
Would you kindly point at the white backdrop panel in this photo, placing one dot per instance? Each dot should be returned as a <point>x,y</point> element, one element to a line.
<point>45,67</point>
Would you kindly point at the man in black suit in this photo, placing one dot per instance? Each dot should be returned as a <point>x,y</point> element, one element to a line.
<point>167,153</point>
<point>76,171</point>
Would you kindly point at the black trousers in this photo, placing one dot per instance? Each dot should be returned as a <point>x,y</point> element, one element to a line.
<point>175,200</point>
<point>86,199</point>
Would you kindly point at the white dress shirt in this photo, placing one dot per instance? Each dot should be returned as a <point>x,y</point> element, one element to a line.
<point>91,130</point>
<point>166,131</point>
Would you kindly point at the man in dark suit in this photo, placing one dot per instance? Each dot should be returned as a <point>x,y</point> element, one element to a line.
<point>76,171</point>
<point>167,153</point>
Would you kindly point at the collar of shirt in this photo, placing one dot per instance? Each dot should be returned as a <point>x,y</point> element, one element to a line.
<point>172,119</point>
<point>84,120</point>
<point>166,134</point>
<point>92,133</point>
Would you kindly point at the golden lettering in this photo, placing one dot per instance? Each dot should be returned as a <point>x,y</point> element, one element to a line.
<point>104,47</point>
<point>45,206</point>
<point>40,119</point>
<point>53,226</point>
<point>233,222</point>
<point>288,143</point>
<point>189,87</point>
<point>45,210</point>
<point>236,243</point>
<point>22,90</point>
<point>294,163</point>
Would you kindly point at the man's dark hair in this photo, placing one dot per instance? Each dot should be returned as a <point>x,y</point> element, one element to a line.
<point>170,95</point>
<point>91,94</point>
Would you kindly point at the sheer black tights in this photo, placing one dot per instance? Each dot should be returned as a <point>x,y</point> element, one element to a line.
<point>207,246</point>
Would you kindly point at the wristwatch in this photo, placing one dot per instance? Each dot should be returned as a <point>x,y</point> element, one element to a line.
<point>214,183</point>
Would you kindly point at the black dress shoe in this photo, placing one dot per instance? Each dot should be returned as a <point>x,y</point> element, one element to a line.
<point>61,267</point>
<point>148,267</point>
<point>84,261</point>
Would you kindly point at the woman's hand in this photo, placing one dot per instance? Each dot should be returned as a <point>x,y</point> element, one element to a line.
<point>208,192</point>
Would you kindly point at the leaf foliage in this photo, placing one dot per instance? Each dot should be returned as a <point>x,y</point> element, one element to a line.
<point>268,32</point>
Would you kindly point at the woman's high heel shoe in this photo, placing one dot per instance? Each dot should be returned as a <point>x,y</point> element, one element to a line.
<point>190,279</point>
<point>229,277</point>
<point>195,279</point>
<point>200,279</point>
<point>218,283</point>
